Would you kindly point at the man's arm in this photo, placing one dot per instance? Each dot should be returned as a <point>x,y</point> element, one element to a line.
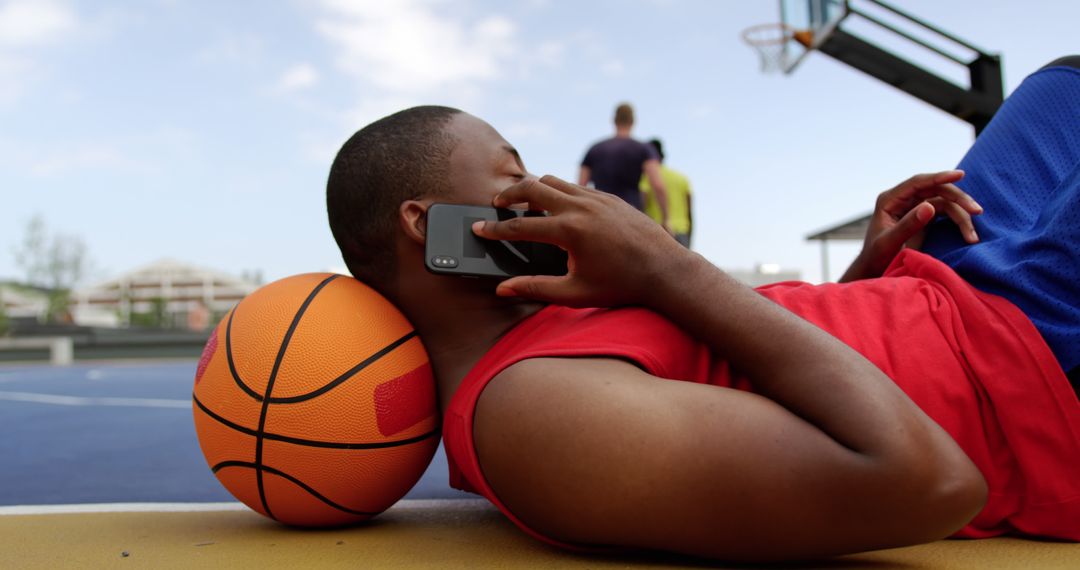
<point>584,175</point>
<point>831,458</point>
<point>690,215</point>
<point>652,171</point>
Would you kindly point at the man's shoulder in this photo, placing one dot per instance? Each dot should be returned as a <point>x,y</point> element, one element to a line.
<point>598,148</point>
<point>605,143</point>
<point>620,143</point>
<point>673,174</point>
<point>540,368</point>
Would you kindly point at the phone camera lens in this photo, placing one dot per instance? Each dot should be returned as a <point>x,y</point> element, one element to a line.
<point>444,261</point>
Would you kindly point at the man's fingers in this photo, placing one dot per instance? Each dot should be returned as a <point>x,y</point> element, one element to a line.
<point>540,228</point>
<point>547,193</point>
<point>954,194</point>
<point>942,184</point>
<point>562,185</point>
<point>960,216</point>
<point>947,176</point>
<point>929,179</point>
<point>923,187</point>
<point>531,191</point>
<point>892,240</point>
<point>539,287</point>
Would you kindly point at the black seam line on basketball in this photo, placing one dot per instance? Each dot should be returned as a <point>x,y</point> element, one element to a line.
<point>349,374</point>
<point>270,387</point>
<point>229,357</point>
<point>302,485</point>
<point>313,442</point>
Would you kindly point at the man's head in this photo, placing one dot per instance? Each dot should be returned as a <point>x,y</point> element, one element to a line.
<point>399,157</point>
<point>624,116</point>
<point>388,173</point>
<point>659,146</point>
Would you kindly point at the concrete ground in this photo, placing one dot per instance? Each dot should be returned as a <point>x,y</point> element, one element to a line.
<point>465,534</point>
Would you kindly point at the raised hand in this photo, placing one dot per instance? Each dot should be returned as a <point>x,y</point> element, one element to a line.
<point>901,215</point>
<point>616,254</point>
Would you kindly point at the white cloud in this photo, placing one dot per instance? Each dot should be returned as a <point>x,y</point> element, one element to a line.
<point>13,70</point>
<point>25,25</point>
<point>150,151</point>
<point>405,47</point>
<point>33,22</point>
<point>374,106</point>
<point>550,53</point>
<point>300,76</point>
<point>87,157</point>
<point>613,68</point>
<point>321,147</point>
<point>236,48</point>
<point>702,110</point>
<point>528,130</point>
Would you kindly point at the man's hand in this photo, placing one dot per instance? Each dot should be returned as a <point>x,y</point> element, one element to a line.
<point>617,255</point>
<point>901,215</point>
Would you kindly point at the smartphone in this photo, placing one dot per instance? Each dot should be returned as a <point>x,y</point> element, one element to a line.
<point>453,249</point>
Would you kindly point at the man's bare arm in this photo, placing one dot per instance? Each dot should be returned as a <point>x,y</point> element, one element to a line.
<point>690,216</point>
<point>652,171</point>
<point>835,459</point>
<point>584,175</point>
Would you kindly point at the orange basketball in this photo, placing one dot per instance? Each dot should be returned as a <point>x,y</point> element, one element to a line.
<point>314,401</point>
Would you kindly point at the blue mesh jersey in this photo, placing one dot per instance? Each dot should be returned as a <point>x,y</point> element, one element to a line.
<point>1024,169</point>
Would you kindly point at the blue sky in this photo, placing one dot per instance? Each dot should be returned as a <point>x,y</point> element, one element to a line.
<point>203,131</point>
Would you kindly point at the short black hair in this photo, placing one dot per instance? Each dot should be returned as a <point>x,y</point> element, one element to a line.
<point>399,157</point>
<point>659,146</point>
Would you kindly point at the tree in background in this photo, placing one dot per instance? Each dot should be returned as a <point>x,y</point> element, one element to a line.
<point>159,312</point>
<point>5,323</point>
<point>55,262</point>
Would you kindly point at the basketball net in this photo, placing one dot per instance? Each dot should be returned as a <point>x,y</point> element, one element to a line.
<point>770,42</point>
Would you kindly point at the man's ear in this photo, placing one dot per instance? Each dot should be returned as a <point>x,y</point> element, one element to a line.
<point>412,215</point>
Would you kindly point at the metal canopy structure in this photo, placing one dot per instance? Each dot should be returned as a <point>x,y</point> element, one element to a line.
<point>854,229</point>
<point>851,230</point>
<point>976,104</point>
<point>823,25</point>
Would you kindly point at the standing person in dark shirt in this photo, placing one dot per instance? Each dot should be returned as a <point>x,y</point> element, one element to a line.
<point>615,165</point>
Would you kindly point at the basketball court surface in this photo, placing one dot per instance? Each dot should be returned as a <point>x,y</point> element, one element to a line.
<point>102,469</point>
<point>120,432</point>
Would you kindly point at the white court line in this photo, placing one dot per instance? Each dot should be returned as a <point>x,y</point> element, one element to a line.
<point>12,377</point>
<point>408,504</point>
<point>120,508</point>
<point>81,401</point>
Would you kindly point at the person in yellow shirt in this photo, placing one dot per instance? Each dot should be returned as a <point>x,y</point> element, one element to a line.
<point>679,199</point>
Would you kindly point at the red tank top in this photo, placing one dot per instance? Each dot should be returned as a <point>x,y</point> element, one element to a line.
<point>972,361</point>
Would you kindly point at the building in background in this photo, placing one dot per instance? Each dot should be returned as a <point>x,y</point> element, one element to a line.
<point>21,302</point>
<point>166,293</point>
<point>764,274</point>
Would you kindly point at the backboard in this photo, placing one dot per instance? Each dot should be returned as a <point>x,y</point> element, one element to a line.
<point>810,22</point>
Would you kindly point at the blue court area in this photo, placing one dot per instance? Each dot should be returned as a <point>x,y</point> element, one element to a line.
<point>115,432</point>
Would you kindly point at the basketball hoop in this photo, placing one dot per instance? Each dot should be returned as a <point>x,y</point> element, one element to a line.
<point>770,42</point>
